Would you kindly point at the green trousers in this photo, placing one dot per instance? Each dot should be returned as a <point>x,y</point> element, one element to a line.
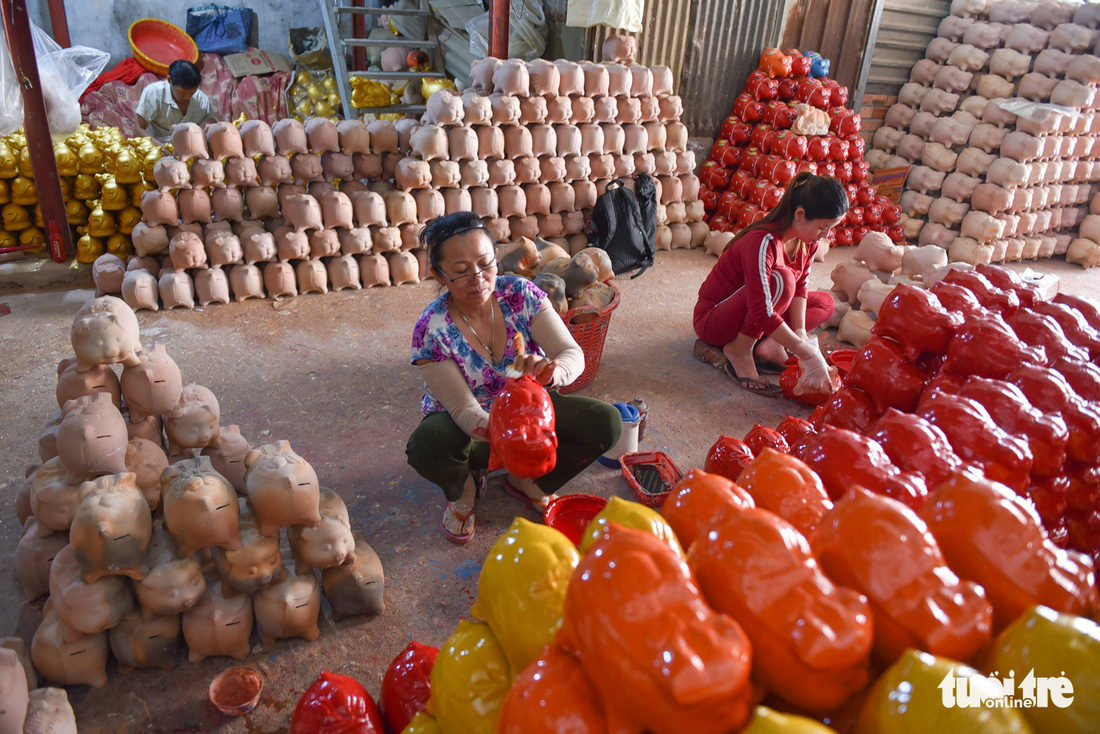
<point>443,454</point>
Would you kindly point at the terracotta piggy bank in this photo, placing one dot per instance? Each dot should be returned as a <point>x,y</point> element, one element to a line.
<point>72,384</point>
<point>171,174</point>
<point>138,642</point>
<point>111,529</point>
<point>227,456</point>
<point>200,507</point>
<point>146,460</point>
<point>34,555</point>
<point>194,424</point>
<point>86,609</point>
<point>79,660</point>
<point>257,138</point>
<point>256,563</point>
<point>218,625</point>
<point>49,712</point>
<point>188,142</point>
<point>173,583</point>
<point>91,439</point>
<point>53,498</point>
<point>14,695</point>
<point>105,331</point>
<point>357,587</point>
<point>153,386</point>
<point>282,487</point>
<point>330,543</point>
<point>288,608</point>
<point>290,137</point>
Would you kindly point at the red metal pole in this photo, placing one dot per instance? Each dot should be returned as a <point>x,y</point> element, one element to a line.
<point>60,23</point>
<point>499,17</point>
<point>36,126</point>
<point>358,30</point>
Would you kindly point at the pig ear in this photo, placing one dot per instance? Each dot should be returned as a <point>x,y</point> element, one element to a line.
<point>251,458</point>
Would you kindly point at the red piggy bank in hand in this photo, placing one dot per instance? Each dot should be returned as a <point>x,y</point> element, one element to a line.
<point>521,429</point>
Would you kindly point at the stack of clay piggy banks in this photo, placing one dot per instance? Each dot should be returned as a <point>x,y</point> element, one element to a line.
<point>148,523</point>
<point>1001,170</point>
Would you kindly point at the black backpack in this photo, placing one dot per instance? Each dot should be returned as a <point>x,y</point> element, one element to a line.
<point>625,225</point>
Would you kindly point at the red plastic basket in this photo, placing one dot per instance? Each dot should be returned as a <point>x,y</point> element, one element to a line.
<point>650,496</point>
<point>590,335</point>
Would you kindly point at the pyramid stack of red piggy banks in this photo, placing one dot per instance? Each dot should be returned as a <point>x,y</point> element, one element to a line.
<point>148,523</point>
<point>261,211</point>
<point>999,123</point>
<point>977,371</point>
<point>791,118</point>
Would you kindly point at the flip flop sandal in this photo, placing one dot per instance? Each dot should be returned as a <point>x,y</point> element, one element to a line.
<point>458,538</point>
<point>539,506</point>
<point>746,383</point>
<point>767,368</point>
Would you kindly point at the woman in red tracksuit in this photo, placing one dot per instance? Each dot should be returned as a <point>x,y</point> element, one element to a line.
<point>758,288</point>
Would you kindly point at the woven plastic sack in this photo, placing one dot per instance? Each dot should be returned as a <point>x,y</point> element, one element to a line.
<point>219,29</point>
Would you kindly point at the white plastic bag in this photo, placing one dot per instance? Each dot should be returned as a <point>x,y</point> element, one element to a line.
<point>64,74</point>
<point>624,14</point>
<point>527,31</point>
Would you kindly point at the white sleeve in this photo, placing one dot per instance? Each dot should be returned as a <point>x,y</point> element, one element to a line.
<point>145,106</point>
<point>551,333</point>
<point>446,383</point>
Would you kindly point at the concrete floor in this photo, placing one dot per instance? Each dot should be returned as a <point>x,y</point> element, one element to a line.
<point>330,374</point>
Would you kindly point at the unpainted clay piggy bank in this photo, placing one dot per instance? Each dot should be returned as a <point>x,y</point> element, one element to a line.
<point>444,108</point>
<point>354,241</point>
<point>111,529</point>
<point>86,609</point>
<point>374,270</point>
<point>149,240</point>
<point>225,141</point>
<point>878,252</point>
<point>481,73</point>
<point>991,198</point>
<point>1071,38</point>
<point>223,248</point>
<point>194,424</point>
<point>274,169</point>
<point>343,271</point>
<point>987,137</point>
<point>105,331</point>
<point>330,543</point>
<point>34,556</point>
<point>14,693</point>
<point>173,583</point>
<point>49,712</point>
<point>429,142</point>
<point>146,460</point>
<point>924,179</point>
<point>919,260</point>
<point>311,274</point>
<point>404,268</point>
<point>288,608</point>
<point>1027,39</point>
<point>847,278</point>
<point>951,131</point>
<point>969,250</point>
<point>258,246</point>
<point>947,212</point>
<point>512,77</point>
<point>171,174</point>
<point>257,138</point>
<point>227,456</point>
<point>188,142</point>
<point>369,209</point>
<point>1009,63</point>
<point>207,174</point>
<point>290,137</point>
<point>186,251</point>
<point>138,642</point>
<point>194,206</point>
<point>477,110</point>
<point>982,227</point>
<point>322,135</point>
<point>282,487</point>
<point>974,162</point>
<point>246,280</point>
<point>228,205</point>
<point>1083,252</point>
<point>356,588</point>
<point>72,384</point>
<point>91,439</point>
<point>65,659</point>
<point>200,507</point>
<point>218,625</point>
<point>413,174</point>
<point>256,563</point>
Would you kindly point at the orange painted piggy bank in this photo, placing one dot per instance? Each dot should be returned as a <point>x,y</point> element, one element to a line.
<point>661,660</point>
<point>699,501</point>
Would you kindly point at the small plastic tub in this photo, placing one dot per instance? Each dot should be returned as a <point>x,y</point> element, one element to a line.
<point>628,442</point>
<point>842,360</point>
<point>571,513</point>
<point>237,690</point>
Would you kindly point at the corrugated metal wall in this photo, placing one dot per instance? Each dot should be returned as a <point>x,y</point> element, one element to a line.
<point>836,29</point>
<point>710,45</point>
<point>906,28</point>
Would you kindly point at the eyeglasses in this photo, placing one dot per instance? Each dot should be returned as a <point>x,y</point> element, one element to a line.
<point>467,279</point>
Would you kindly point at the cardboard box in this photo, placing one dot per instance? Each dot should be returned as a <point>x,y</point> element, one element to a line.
<point>255,61</point>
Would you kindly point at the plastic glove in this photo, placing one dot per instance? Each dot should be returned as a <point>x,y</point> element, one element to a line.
<point>816,376</point>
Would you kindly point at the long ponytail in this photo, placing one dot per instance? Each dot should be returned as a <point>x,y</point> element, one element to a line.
<point>821,197</point>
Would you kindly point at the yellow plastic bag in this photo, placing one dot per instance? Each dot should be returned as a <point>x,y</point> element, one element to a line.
<point>470,680</point>
<point>522,589</point>
<point>631,515</point>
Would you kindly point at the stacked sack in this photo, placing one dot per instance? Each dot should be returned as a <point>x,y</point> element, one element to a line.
<point>1000,170</point>
<point>791,118</point>
<point>115,527</point>
<point>102,181</point>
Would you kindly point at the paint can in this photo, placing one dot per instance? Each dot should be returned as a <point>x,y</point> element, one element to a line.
<point>628,442</point>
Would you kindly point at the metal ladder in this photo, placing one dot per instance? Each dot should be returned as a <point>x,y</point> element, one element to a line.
<point>332,10</point>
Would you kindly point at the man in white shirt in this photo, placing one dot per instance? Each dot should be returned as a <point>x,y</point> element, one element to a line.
<point>172,101</point>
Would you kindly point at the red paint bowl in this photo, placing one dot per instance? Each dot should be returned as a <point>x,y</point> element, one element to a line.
<point>842,360</point>
<point>237,690</point>
<point>571,513</point>
<point>157,43</point>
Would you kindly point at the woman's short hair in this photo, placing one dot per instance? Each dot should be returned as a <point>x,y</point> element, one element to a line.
<point>184,74</point>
